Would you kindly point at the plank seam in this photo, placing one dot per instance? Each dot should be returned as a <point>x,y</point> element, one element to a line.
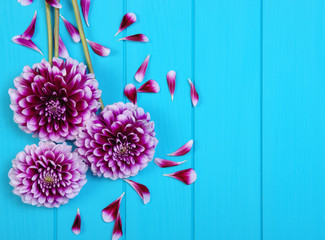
<point>261,109</point>
<point>124,99</point>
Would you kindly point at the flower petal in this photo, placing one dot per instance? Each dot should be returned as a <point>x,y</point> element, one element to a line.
<point>182,150</point>
<point>25,2</point>
<point>99,49</point>
<point>76,223</point>
<point>117,230</point>
<point>131,93</point>
<point>141,189</point>
<point>150,86</point>
<point>29,32</point>
<point>194,94</point>
<point>63,52</point>
<point>26,43</point>
<point>136,38</point>
<point>171,77</point>
<point>54,3</point>
<point>187,176</point>
<point>163,163</point>
<point>110,213</point>
<point>127,20</point>
<point>73,31</point>
<point>85,9</point>
<point>139,75</point>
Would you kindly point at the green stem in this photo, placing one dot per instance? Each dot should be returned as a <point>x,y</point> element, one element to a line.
<point>49,31</point>
<point>84,41</point>
<point>56,30</point>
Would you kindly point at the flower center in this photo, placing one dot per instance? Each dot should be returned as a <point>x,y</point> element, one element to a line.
<point>54,109</point>
<point>48,179</point>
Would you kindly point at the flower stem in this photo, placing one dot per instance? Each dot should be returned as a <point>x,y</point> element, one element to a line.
<point>49,31</point>
<point>84,41</point>
<point>56,30</point>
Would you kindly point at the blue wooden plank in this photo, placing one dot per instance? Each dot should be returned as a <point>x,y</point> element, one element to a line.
<point>293,119</point>
<point>227,120</point>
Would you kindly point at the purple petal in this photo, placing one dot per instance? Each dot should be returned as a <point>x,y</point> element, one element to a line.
<point>76,223</point>
<point>54,3</point>
<point>171,77</point>
<point>149,87</point>
<point>29,32</point>
<point>73,31</point>
<point>136,38</point>
<point>63,52</point>
<point>182,150</point>
<point>99,49</point>
<point>127,20</point>
<point>26,43</point>
<point>85,9</point>
<point>117,230</point>
<point>139,75</point>
<point>131,93</point>
<point>110,213</point>
<point>163,163</point>
<point>194,94</point>
<point>141,189</point>
<point>25,2</point>
<point>187,176</point>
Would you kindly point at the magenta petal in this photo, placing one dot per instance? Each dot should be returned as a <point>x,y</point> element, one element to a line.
<point>85,9</point>
<point>73,31</point>
<point>76,223</point>
<point>26,43</point>
<point>131,93</point>
<point>139,75</point>
<point>63,52</point>
<point>54,3</point>
<point>136,38</point>
<point>187,176</point>
<point>110,213</point>
<point>99,49</point>
<point>171,77</point>
<point>163,163</point>
<point>141,189</point>
<point>117,230</point>
<point>127,20</point>
<point>149,87</point>
<point>25,2</point>
<point>29,32</point>
<point>194,94</point>
<point>182,150</point>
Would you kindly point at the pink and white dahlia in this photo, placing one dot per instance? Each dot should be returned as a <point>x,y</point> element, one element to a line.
<point>53,102</point>
<point>48,174</point>
<point>119,142</point>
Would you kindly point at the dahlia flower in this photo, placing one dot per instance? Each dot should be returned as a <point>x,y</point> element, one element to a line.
<point>53,102</point>
<point>119,142</point>
<point>48,174</point>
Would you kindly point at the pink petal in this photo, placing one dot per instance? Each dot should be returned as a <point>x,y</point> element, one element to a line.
<point>29,32</point>
<point>139,75</point>
<point>131,93</point>
<point>182,150</point>
<point>194,94</point>
<point>141,189</point>
<point>127,20</point>
<point>63,52</point>
<point>171,77</point>
<point>85,9</point>
<point>149,87</point>
<point>110,213</point>
<point>99,49</point>
<point>73,31</point>
<point>76,223</point>
<point>136,38</point>
<point>25,2</point>
<point>26,43</point>
<point>54,3</point>
<point>163,163</point>
<point>117,230</point>
<point>187,176</point>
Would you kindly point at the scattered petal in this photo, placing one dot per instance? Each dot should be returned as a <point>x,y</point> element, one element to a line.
<point>141,189</point>
<point>194,94</point>
<point>131,93</point>
<point>182,150</point>
<point>187,176</point>
<point>139,75</point>
<point>85,9</point>
<point>117,230</point>
<point>99,49</point>
<point>63,52</point>
<point>171,77</point>
<point>73,31</point>
<point>54,3</point>
<point>127,20</point>
<point>110,213</point>
<point>149,87</point>
<point>25,2</point>
<point>26,43</point>
<point>29,32</point>
<point>163,163</point>
<point>136,38</point>
<point>76,223</point>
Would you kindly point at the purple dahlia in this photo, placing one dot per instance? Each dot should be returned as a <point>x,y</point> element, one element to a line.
<point>119,142</point>
<point>53,102</point>
<point>47,175</point>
